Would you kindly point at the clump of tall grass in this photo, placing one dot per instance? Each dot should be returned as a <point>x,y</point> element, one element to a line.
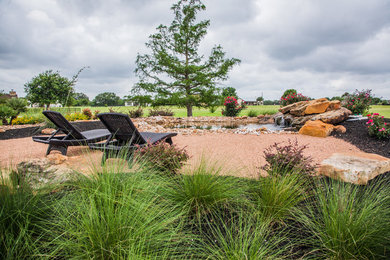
<point>202,192</point>
<point>277,196</point>
<point>119,215</point>
<point>247,237</point>
<point>23,214</point>
<point>252,113</point>
<point>346,221</point>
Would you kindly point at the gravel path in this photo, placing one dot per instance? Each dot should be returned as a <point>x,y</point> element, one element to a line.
<point>238,155</point>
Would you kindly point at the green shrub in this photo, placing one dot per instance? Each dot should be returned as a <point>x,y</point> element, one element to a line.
<point>87,112</point>
<point>160,112</point>
<point>95,113</point>
<point>346,221</point>
<point>162,156</point>
<point>76,116</point>
<point>292,98</point>
<point>359,102</point>
<point>287,158</point>
<point>231,107</point>
<point>377,126</point>
<point>252,113</point>
<point>136,113</point>
<point>19,105</point>
<point>23,120</point>
<point>5,113</point>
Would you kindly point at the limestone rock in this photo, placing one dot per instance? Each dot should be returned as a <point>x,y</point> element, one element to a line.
<point>333,117</point>
<point>317,107</point>
<point>316,128</point>
<point>299,110</point>
<point>287,108</point>
<point>301,120</point>
<point>48,131</point>
<point>354,168</point>
<point>41,172</point>
<point>334,105</point>
<point>56,158</point>
<point>340,129</point>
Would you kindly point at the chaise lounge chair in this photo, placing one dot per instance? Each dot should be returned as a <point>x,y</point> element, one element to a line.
<point>125,138</point>
<point>71,137</point>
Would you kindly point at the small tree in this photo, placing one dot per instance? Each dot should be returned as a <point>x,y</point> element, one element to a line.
<point>50,87</point>
<point>260,99</point>
<point>289,92</point>
<point>175,73</point>
<point>107,99</point>
<point>80,99</point>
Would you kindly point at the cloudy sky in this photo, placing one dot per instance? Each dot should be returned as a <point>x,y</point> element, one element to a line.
<point>321,48</point>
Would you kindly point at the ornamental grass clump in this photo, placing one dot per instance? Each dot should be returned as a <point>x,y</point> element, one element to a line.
<point>162,156</point>
<point>359,102</point>
<point>377,126</point>
<point>346,221</point>
<point>118,215</point>
<point>24,214</point>
<point>232,108</point>
<point>136,113</point>
<point>160,112</point>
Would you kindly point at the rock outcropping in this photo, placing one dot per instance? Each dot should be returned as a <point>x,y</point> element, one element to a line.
<point>45,171</point>
<point>297,114</point>
<point>354,168</point>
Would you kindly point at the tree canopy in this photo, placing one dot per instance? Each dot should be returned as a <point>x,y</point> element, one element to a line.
<point>50,87</point>
<point>107,99</point>
<point>80,99</point>
<point>175,72</point>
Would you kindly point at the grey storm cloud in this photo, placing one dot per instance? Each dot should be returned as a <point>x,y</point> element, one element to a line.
<point>320,48</point>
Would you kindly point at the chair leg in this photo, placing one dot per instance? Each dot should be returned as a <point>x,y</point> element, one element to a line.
<point>62,149</point>
<point>169,140</point>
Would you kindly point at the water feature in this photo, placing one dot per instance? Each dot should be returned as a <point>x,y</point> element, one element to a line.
<point>216,126</point>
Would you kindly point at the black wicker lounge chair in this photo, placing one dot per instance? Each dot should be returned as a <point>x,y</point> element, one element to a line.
<point>125,138</point>
<point>71,137</point>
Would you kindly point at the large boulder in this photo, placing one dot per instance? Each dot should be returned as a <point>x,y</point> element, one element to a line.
<point>334,105</point>
<point>334,116</point>
<point>354,168</point>
<point>317,107</point>
<point>316,128</point>
<point>41,172</point>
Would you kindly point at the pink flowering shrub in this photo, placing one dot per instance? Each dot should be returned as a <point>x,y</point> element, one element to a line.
<point>163,156</point>
<point>359,102</point>
<point>292,98</point>
<point>232,108</point>
<point>288,157</point>
<point>377,126</point>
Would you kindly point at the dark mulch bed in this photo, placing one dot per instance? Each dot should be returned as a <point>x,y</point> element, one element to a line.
<point>357,134</point>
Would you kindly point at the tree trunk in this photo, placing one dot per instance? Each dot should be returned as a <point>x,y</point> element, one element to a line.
<point>47,106</point>
<point>189,110</point>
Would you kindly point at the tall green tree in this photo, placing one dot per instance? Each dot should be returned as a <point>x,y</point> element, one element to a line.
<point>80,99</point>
<point>175,72</point>
<point>50,87</point>
<point>107,99</point>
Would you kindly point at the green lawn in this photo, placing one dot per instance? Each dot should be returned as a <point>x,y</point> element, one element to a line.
<point>178,111</point>
<point>382,110</point>
<point>181,111</point>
